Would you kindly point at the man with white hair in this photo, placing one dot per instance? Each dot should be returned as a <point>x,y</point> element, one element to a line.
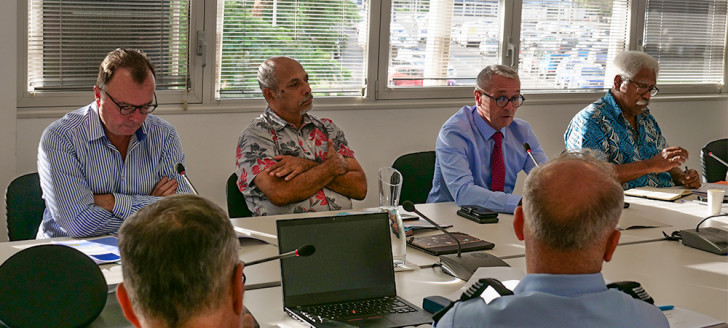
<point>568,222</point>
<point>620,126</point>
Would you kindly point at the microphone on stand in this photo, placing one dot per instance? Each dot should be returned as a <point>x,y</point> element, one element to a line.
<point>527,148</point>
<point>410,207</point>
<point>461,265</point>
<point>305,250</point>
<point>181,170</point>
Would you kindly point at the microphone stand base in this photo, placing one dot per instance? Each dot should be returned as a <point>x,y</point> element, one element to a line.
<point>463,267</point>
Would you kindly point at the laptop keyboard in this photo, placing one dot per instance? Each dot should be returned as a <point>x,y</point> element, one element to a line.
<point>379,306</point>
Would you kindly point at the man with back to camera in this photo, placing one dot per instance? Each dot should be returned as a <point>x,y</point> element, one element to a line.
<point>103,162</point>
<point>181,266</point>
<point>289,161</point>
<point>480,148</point>
<point>571,206</point>
<point>620,126</point>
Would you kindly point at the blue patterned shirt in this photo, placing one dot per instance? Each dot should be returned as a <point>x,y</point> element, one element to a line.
<point>76,160</point>
<point>602,127</point>
<point>462,167</point>
<point>557,300</point>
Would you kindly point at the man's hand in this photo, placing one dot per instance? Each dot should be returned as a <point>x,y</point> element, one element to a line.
<point>105,201</point>
<point>288,167</point>
<point>690,180</point>
<point>338,163</point>
<point>165,187</point>
<point>668,159</point>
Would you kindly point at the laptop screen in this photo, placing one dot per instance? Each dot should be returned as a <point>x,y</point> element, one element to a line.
<point>353,259</point>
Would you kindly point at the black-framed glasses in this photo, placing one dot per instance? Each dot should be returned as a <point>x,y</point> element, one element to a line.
<point>653,90</point>
<point>502,101</point>
<point>129,109</point>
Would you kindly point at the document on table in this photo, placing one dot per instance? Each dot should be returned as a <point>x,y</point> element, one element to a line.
<point>683,318</point>
<point>668,193</point>
<point>102,250</point>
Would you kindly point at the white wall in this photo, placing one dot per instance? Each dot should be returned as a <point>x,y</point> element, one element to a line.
<point>379,136</point>
<point>8,63</point>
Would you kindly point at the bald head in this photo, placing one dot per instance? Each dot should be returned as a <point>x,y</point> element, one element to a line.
<point>268,71</point>
<point>572,203</point>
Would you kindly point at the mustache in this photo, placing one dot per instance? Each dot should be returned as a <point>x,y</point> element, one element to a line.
<point>642,102</point>
<point>309,97</point>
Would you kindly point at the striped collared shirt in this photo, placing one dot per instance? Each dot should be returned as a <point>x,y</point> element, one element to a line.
<point>76,160</point>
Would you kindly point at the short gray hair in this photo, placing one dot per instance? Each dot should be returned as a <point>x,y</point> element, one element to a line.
<point>178,256</point>
<point>267,77</point>
<point>628,63</point>
<point>567,213</point>
<point>483,81</point>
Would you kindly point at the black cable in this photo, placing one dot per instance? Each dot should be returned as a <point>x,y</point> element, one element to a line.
<point>697,228</point>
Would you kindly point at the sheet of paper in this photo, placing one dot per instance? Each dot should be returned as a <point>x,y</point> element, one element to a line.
<point>684,318</point>
<point>102,250</point>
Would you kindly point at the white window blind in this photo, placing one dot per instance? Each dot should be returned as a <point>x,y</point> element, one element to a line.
<point>569,44</point>
<point>688,39</point>
<point>67,40</point>
<point>442,43</point>
<point>327,37</point>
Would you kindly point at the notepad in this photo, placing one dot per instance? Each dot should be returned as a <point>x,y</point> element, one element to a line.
<point>669,193</point>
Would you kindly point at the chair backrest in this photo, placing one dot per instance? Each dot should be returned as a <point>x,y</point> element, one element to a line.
<point>25,206</point>
<point>236,205</point>
<point>712,169</point>
<point>50,286</point>
<point>417,171</point>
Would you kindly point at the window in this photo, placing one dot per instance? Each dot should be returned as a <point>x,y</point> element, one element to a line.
<point>67,40</point>
<point>441,43</point>
<point>327,37</point>
<point>360,51</point>
<point>688,39</point>
<point>569,44</point>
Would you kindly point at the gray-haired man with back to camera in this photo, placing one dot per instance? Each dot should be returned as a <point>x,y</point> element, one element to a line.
<point>181,267</point>
<point>571,206</point>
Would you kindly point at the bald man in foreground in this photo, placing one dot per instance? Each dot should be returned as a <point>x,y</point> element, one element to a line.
<point>568,221</point>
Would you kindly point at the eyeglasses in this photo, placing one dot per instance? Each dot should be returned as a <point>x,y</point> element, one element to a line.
<point>653,90</point>
<point>129,109</point>
<point>502,101</point>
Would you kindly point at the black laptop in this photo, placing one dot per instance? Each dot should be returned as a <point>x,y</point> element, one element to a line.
<point>350,277</point>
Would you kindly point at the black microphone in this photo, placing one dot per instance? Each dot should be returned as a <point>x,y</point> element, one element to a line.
<point>527,148</point>
<point>181,170</point>
<point>709,239</point>
<point>305,250</point>
<point>410,207</point>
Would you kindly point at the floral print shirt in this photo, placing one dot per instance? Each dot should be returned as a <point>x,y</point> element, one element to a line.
<point>602,127</point>
<point>268,136</point>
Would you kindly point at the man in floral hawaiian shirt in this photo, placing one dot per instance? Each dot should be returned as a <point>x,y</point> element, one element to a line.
<point>620,126</point>
<point>289,161</point>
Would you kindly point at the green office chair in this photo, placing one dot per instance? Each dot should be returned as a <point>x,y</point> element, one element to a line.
<point>417,171</point>
<point>712,169</point>
<point>236,205</point>
<point>25,206</point>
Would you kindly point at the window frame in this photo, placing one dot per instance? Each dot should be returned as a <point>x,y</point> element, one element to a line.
<point>377,95</point>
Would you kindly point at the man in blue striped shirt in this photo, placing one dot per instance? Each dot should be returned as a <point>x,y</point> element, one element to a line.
<point>101,163</point>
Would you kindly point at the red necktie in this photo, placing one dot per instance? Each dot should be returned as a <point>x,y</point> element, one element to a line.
<point>497,167</point>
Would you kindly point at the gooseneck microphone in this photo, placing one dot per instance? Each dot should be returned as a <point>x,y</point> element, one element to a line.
<point>527,148</point>
<point>410,207</point>
<point>181,170</point>
<point>305,250</point>
<point>717,158</point>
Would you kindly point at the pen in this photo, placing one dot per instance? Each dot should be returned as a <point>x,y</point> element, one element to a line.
<point>686,170</point>
<point>666,307</point>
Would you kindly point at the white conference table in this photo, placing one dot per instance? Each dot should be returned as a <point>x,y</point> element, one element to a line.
<point>670,272</point>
